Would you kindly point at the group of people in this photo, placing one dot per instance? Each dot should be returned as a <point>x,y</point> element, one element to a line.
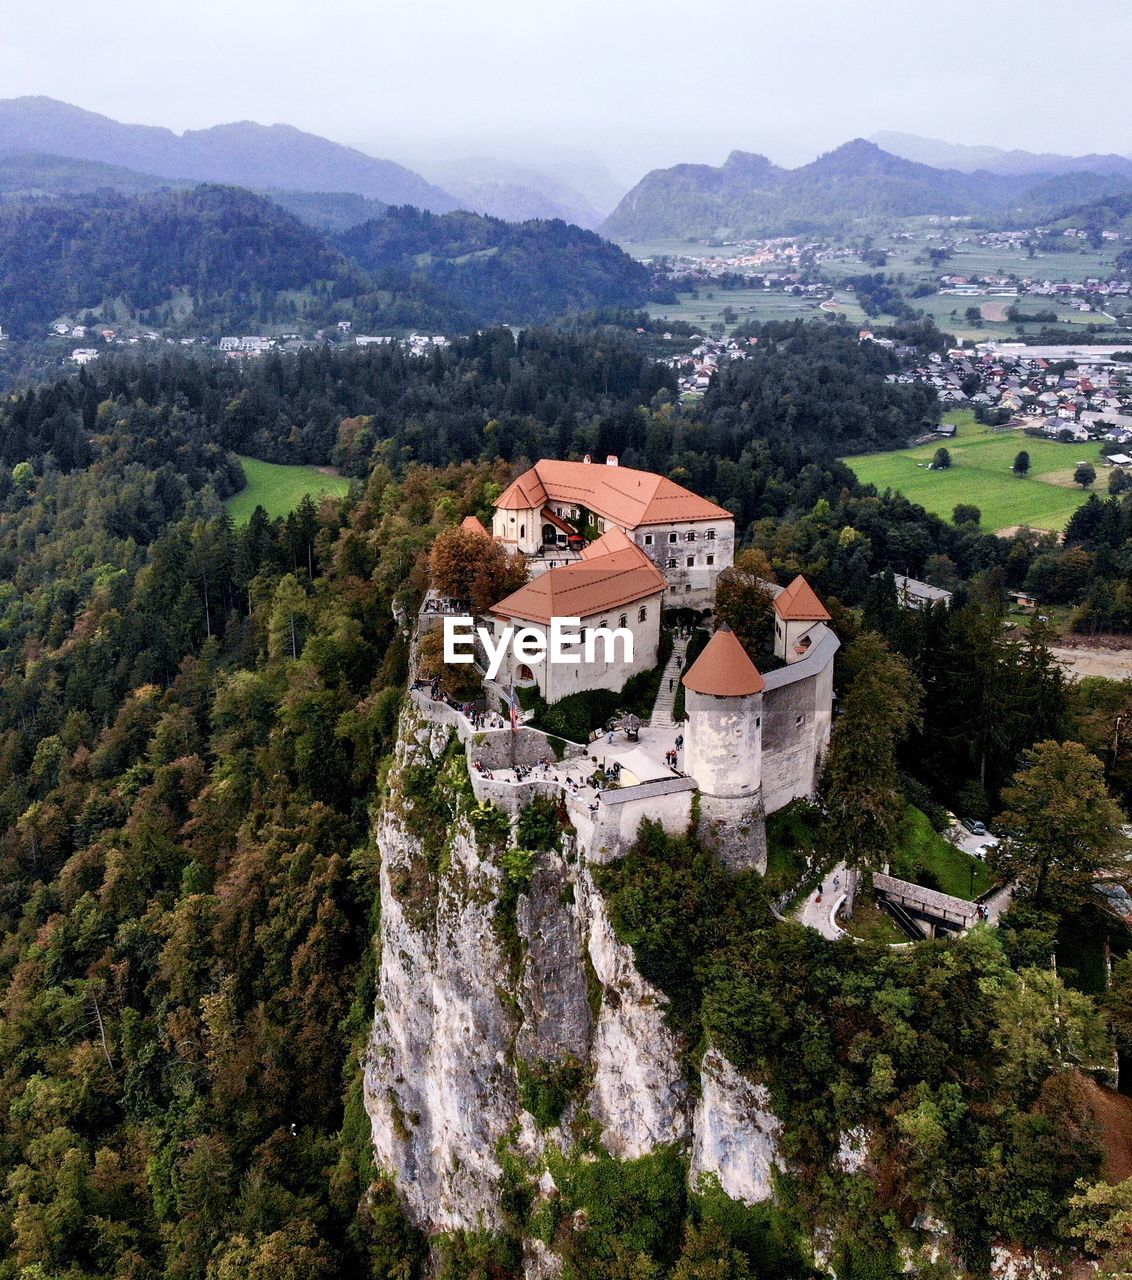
<point>477,717</point>
<point>445,605</point>
<point>672,755</point>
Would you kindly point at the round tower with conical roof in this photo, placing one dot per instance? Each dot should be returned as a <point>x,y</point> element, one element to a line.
<point>723,697</point>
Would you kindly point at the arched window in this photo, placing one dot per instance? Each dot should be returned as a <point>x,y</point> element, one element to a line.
<point>690,536</point>
<point>623,621</point>
<point>642,613</point>
<point>710,535</point>
<point>525,673</point>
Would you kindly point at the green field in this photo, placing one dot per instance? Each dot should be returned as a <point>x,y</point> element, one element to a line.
<point>925,857</point>
<point>279,489</point>
<point>747,304</point>
<point>981,472</point>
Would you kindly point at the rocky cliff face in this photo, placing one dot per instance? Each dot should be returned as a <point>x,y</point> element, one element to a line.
<point>482,990</point>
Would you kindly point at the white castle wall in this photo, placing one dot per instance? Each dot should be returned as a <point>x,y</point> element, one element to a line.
<point>690,586</point>
<point>797,719</point>
<point>723,743</point>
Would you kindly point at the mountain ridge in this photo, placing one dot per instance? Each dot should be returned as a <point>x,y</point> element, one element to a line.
<point>242,153</point>
<point>749,196</point>
<point>969,158</point>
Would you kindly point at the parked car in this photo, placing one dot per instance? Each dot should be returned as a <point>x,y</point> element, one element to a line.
<point>974,826</point>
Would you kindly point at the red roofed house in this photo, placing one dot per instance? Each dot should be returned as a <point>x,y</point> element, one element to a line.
<point>797,611</point>
<point>690,539</point>
<point>613,585</point>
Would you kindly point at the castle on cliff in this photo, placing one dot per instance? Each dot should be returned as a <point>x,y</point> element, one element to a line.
<point>615,547</point>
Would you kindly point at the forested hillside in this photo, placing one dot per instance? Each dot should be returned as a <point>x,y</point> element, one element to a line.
<point>216,259</point>
<point>195,723</point>
<point>231,255</point>
<point>495,269</point>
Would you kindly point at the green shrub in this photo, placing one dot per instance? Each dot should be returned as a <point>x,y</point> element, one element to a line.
<point>545,1088</point>
<point>538,826</point>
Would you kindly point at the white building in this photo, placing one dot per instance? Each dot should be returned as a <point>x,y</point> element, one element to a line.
<point>556,505</point>
<point>612,586</point>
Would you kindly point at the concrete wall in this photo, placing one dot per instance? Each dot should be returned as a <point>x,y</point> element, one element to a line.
<point>512,797</point>
<point>500,748</point>
<point>689,586</point>
<point>722,743</point>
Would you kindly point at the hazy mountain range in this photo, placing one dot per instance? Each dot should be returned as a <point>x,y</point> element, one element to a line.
<point>50,148</point>
<point>275,158</point>
<point>955,155</point>
<point>750,196</point>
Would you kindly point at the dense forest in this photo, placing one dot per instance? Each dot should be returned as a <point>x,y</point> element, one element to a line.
<point>195,722</point>
<point>210,260</point>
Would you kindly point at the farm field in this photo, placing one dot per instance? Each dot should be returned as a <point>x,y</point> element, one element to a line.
<point>279,489</point>
<point>747,304</point>
<point>981,473</point>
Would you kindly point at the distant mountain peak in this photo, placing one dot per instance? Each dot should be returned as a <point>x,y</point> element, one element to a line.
<point>242,152</point>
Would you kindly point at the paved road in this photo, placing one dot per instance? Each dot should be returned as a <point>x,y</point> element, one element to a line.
<point>819,915</point>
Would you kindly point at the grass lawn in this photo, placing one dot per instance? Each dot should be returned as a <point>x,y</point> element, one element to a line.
<point>279,489</point>
<point>869,923</point>
<point>789,844</point>
<point>925,857</point>
<point>981,472</point>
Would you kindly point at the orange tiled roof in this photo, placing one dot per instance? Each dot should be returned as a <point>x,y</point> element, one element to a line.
<point>724,669</point>
<point>474,525</point>
<point>611,540</point>
<point>611,575</point>
<point>799,603</point>
<point>622,494</point>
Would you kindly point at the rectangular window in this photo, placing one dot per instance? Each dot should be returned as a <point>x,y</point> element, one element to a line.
<point>691,561</point>
<point>710,535</point>
<point>672,537</point>
<point>648,539</point>
<point>710,559</point>
<point>690,536</point>
<point>671,562</point>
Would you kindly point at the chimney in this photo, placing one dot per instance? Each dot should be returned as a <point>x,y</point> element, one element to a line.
<point>610,459</point>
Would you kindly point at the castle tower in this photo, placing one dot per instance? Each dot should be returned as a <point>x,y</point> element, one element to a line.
<point>723,738</point>
<point>797,611</point>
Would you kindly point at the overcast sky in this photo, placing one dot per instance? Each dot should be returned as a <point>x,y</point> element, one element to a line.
<point>640,82</point>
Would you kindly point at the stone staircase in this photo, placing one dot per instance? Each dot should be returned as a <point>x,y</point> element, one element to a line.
<point>661,717</point>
